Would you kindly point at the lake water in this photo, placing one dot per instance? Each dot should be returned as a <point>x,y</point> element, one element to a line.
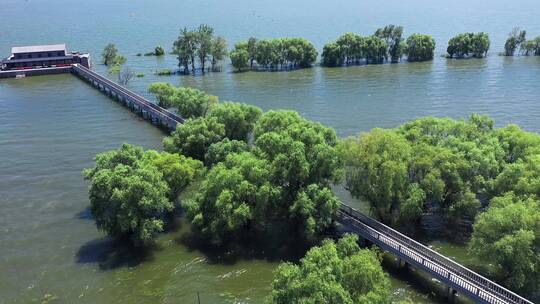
<point>51,127</point>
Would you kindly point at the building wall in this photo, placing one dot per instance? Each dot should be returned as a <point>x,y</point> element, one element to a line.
<point>39,54</point>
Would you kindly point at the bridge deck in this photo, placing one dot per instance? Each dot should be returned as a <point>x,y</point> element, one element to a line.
<point>449,272</point>
<point>146,108</point>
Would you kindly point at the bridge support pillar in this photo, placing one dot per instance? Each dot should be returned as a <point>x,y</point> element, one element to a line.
<point>401,264</point>
<point>451,295</point>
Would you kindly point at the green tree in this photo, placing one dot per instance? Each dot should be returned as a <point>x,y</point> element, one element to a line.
<point>508,235</point>
<point>219,151</point>
<point>127,197</point>
<point>283,181</point>
<point>178,171</point>
<point>515,39</point>
<point>378,168</point>
<point>109,54</point>
<point>234,196</point>
<point>194,137</point>
<point>251,48</point>
<point>392,34</point>
<point>374,49</point>
<point>204,39</point>
<point>332,273</point>
<point>239,59</point>
<point>164,93</point>
<point>420,47</point>
<point>218,51</point>
<point>238,118</point>
<point>185,47</point>
<point>468,44</point>
<point>332,55</point>
<point>192,103</point>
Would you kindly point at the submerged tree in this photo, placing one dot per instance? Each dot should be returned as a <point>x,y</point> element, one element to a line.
<point>332,273</point>
<point>515,39</point>
<point>420,47</point>
<point>508,235</point>
<point>218,51</point>
<point>109,54</point>
<point>132,190</point>
<point>283,179</point>
<point>468,44</point>
<point>392,34</point>
<point>274,54</point>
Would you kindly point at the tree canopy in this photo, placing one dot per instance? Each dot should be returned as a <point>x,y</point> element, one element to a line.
<point>508,235</point>
<point>238,118</point>
<point>109,54</point>
<point>515,39</point>
<point>468,44</point>
<point>199,45</point>
<point>132,190</point>
<point>340,273</point>
<point>194,137</point>
<point>420,47</point>
<point>274,54</point>
<point>283,178</point>
<point>387,42</point>
<point>189,102</point>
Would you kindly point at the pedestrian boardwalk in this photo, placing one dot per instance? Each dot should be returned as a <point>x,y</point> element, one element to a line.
<point>421,257</point>
<point>138,104</point>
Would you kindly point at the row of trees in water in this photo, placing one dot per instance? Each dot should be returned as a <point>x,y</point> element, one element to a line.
<point>273,54</point>
<point>269,175</point>
<point>387,43</point>
<point>517,40</point>
<point>195,48</point>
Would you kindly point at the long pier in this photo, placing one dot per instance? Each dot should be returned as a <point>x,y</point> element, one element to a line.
<point>454,275</point>
<point>138,104</point>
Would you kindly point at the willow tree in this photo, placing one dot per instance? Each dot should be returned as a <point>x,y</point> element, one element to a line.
<point>515,39</point>
<point>420,47</point>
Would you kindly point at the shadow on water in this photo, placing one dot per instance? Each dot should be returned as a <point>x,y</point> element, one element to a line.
<point>111,254</point>
<point>269,247</point>
<point>85,214</point>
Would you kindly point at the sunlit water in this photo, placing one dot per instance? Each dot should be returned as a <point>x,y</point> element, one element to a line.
<point>51,127</point>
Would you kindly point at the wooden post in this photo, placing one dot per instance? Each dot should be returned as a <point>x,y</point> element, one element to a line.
<point>198,298</point>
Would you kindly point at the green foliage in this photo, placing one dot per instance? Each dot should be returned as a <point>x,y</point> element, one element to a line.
<point>178,170</point>
<point>192,103</point>
<point>468,44</point>
<point>219,151</point>
<point>238,118</point>
<point>508,235</point>
<point>431,163</point>
<point>515,39</point>
<point>164,92</point>
<point>189,102</point>
<point>230,198</point>
<point>159,51</point>
<point>374,49</point>
<point>282,180</point>
<point>392,35</point>
<point>218,51</point>
<point>386,43</point>
<point>199,44</point>
<point>109,53</point>
<point>420,47</point>
<point>239,59</point>
<point>131,191</point>
<point>194,137</point>
<point>274,54</point>
<point>332,55</point>
<point>531,47</point>
<point>332,273</point>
